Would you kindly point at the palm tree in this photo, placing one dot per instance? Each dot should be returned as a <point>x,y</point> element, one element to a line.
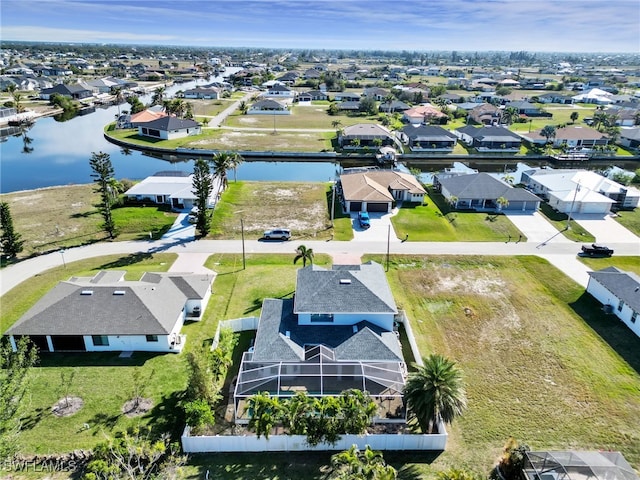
<point>502,202</point>
<point>510,115</point>
<point>336,124</point>
<point>118,96</point>
<point>387,100</point>
<point>158,96</point>
<point>265,413</point>
<point>453,201</point>
<point>574,116</point>
<point>548,132</point>
<point>305,254</point>
<point>235,159</point>
<point>221,162</point>
<point>434,393</point>
<point>354,464</point>
<point>508,178</point>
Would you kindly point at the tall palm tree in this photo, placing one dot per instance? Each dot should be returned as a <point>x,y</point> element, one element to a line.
<point>502,202</point>
<point>158,96</point>
<point>265,412</point>
<point>387,101</point>
<point>118,96</point>
<point>235,159</point>
<point>574,116</point>
<point>510,115</point>
<point>434,393</point>
<point>304,253</point>
<point>220,163</point>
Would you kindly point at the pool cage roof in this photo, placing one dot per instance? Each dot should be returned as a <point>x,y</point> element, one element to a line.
<point>578,465</point>
<point>319,376</point>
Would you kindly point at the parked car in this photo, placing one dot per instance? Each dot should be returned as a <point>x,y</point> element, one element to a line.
<point>277,234</point>
<point>594,250</point>
<point>193,215</point>
<point>363,220</point>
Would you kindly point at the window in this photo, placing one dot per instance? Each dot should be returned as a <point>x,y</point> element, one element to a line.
<point>152,338</point>
<point>100,340</point>
<point>321,317</point>
<point>634,316</point>
<point>620,305</point>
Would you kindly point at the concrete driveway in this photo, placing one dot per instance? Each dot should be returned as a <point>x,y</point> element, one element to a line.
<point>181,229</point>
<point>606,229</point>
<point>379,229</point>
<point>536,227</point>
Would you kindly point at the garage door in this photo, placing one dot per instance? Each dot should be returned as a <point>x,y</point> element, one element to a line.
<point>377,207</point>
<point>355,206</point>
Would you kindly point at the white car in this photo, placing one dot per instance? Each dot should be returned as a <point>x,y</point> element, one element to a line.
<point>193,215</point>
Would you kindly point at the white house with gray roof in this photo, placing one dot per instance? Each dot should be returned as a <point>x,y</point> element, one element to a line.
<point>336,333</point>
<point>619,292</point>
<point>108,313</point>
<point>170,188</point>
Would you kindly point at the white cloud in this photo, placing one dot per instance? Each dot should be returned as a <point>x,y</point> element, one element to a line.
<point>48,34</point>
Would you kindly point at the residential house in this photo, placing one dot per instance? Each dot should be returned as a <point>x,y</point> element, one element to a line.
<point>394,106</point>
<point>170,188</point>
<point>528,109</point>
<point>169,128</point>
<point>337,333</point>
<point>619,292</point>
<point>580,191</point>
<point>352,106</point>
<point>137,119</point>
<point>595,95</point>
<point>624,117</point>
<point>346,97</point>
<point>311,95</point>
<point>289,78</point>
<point>280,90</point>
<point>366,135</point>
<point>489,138</point>
<point>311,74</point>
<point>451,98</point>
<point>630,138</point>
<point>428,138</point>
<point>424,114</point>
<point>577,138</point>
<point>481,191</point>
<point>209,93</point>
<point>108,313</point>
<point>485,114</point>
<point>377,190</point>
<point>554,97</point>
<point>268,107</point>
<point>376,92</point>
<point>76,92</point>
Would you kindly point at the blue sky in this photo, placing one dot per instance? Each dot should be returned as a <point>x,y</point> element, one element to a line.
<point>532,25</point>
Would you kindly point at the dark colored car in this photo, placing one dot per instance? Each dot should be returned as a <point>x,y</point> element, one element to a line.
<point>594,250</point>
<point>363,220</point>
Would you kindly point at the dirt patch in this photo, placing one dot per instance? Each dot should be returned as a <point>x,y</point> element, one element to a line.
<point>67,406</point>
<point>137,406</point>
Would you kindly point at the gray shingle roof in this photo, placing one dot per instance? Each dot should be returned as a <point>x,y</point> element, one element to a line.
<point>320,291</point>
<point>170,123</point>
<point>483,185</point>
<point>150,306</point>
<point>280,338</point>
<point>431,132</point>
<point>624,285</point>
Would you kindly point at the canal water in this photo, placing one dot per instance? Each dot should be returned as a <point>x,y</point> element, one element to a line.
<point>57,153</point>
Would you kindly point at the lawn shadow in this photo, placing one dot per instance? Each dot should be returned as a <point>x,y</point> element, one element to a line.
<point>31,420</point>
<point>131,259</point>
<point>611,329</point>
<point>103,421</point>
<point>89,359</point>
<point>167,416</point>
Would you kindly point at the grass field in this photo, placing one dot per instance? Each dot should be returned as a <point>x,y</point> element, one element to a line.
<point>631,264</point>
<point>300,207</point>
<point>435,222</point>
<point>630,220</point>
<point>61,217</point>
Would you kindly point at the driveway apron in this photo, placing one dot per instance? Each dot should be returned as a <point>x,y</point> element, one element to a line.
<point>536,228</point>
<point>606,229</point>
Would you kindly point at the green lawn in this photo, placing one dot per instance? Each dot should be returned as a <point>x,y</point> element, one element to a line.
<point>434,222</point>
<point>630,220</point>
<point>314,117</point>
<point>559,220</point>
<point>135,223</point>
<point>631,264</point>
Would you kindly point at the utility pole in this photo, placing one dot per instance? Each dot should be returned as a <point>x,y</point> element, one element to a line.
<point>388,244</point>
<point>333,200</point>
<point>244,261</point>
<point>575,193</point>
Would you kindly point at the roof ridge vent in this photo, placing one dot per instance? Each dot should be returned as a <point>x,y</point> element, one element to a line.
<point>119,292</point>
<point>345,281</point>
<point>86,292</point>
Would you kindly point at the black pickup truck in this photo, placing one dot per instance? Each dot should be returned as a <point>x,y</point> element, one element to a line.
<point>594,250</point>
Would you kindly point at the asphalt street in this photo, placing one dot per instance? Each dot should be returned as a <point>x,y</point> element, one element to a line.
<point>560,254</point>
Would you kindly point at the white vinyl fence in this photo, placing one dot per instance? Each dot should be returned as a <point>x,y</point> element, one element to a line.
<point>298,443</point>
<point>235,325</point>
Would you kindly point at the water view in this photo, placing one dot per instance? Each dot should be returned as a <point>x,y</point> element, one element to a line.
<point>57,153</point>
